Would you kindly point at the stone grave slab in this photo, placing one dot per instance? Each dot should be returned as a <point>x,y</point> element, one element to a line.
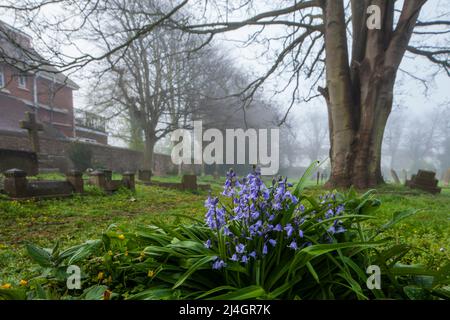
<point>424,180</point>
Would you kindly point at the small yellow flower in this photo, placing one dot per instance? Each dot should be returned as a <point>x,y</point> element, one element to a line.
<point>23,283</point>
<point>121,237</point>
<point>126,253</point>
<point>150,273</point>
<point>110,253</point>
<point>100,276</point>
<point>6,286</point>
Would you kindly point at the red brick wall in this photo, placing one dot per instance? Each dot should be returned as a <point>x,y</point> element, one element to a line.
<point>114,158</point>
<point>62,99</point>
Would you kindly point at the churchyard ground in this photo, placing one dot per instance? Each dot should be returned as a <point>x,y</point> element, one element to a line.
<point>74,220</point>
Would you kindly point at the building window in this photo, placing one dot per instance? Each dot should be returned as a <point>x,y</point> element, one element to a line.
<point>2,78</point>
<point>22,81</point>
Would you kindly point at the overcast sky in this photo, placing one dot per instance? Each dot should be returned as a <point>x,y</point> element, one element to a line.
<point>409,95</point>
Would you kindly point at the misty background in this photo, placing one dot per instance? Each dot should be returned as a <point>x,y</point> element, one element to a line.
<point>417,134</point>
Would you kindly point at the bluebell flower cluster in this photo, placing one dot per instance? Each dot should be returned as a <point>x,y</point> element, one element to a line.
<point>263,219</point>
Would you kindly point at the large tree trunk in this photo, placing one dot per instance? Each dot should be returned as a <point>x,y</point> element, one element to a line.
<point>359,96</point>
<point>149,145</point>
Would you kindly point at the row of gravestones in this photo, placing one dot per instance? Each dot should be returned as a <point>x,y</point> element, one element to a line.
<point>17,186</point>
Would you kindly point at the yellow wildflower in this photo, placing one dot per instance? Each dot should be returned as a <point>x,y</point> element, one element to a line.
<point>100,276</point>
<point>110,253</point>
<point>6,286</point>
<point>121,237</point>
<point>126,253</point>
<point>150,273</point>
<point>23,283</point>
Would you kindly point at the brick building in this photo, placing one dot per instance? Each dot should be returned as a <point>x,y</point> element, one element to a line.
<point>44,91</point>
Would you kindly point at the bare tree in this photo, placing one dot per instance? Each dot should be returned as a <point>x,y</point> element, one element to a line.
<point>313,135</point>
<point>393,136</point>
<point>359,81</point>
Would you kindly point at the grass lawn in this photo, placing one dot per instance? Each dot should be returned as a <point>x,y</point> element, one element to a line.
<point>74,220</point>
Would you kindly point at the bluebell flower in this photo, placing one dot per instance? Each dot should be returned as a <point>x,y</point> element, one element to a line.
<point>234,257</point>
<point>264,251</point>
<point>252,254</point>
<point>227,232</point>
<point>278,228</point>
<point>244,259</point>
<point>273,242</point>
<point>293,245</point>
<point>219,264</point>
<point>300,233</point>
<point>208,244</point>
<point>289,230</point>
<point>240,248</point>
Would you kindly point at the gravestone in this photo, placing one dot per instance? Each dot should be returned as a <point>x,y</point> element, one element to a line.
<point>189,182</point>
<point>16,186</point>
<point>424,180</point>
<point>145,175</point>
<point>103,179</point>
<point>33,128</point>
<point>395,177</point>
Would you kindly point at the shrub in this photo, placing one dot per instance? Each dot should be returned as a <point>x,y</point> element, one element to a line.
<point>81,156</point>
<point>256,242</point>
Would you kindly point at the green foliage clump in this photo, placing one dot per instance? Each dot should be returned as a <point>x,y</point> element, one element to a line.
<point>81,156</point>
<point>245,250</point>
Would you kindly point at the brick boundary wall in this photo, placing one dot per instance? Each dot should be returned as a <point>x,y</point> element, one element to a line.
<point>113,158</point>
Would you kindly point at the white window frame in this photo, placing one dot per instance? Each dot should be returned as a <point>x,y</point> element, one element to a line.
<point>22,81</point>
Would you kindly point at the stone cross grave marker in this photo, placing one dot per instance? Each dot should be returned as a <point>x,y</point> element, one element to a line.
<point>33,128</point>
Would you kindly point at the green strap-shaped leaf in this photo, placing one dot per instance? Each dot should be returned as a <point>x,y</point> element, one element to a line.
<point>39,255</point>
<point>196,266</point>
<point>250,292</point>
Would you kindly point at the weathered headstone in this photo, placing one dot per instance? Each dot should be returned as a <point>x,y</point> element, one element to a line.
<point>189,182</point>
<point>75,178</point>
<point>128,180</point>
<point>145,175</point>
<point>395,177</point>
<point>16,186</point>
<point>33,128</point>
<point>103,180</point>
<point>15,183</point>
<point>424,180</point>
<point>97,178</point>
